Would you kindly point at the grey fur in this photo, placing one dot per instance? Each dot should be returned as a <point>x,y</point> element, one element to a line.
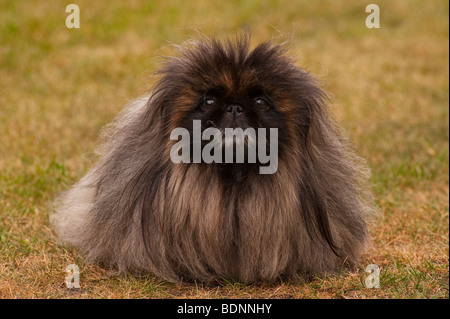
<point>137,212</point>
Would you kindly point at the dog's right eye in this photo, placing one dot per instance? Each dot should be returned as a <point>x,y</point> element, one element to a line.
<point>210,101</point>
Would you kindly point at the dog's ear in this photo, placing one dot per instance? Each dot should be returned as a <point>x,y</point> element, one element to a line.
<point>314,209</point>
<point>332,182</point>
<point>310,102</point>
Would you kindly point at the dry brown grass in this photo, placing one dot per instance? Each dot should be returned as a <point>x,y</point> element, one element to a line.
<point>58,87</point>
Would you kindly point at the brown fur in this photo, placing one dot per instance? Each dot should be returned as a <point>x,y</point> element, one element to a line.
<point>139,212</point>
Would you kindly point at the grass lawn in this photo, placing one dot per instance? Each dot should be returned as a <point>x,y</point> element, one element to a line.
<point>390,89</point>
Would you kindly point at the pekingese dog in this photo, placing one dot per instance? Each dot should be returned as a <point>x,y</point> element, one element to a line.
<point>205,215</point>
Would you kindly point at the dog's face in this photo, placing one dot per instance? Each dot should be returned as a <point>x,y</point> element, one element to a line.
<point>239,92</point>
<point>223,107</point>
<point>236,87</point>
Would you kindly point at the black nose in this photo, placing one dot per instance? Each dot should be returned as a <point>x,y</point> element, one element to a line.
<point>234,109</point>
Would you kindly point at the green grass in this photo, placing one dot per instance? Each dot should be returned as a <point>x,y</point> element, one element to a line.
<point>59,86</point>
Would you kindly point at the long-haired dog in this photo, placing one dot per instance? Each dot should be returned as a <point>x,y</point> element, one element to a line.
<point>140,212</point>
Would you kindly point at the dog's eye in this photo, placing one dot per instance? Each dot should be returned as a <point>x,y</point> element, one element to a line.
<point>210,101</point>
<point>262,103</point>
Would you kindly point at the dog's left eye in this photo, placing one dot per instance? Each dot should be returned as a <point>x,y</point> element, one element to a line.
<point>262,103</point>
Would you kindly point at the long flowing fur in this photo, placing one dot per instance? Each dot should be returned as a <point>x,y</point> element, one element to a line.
<point>138,212</point>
